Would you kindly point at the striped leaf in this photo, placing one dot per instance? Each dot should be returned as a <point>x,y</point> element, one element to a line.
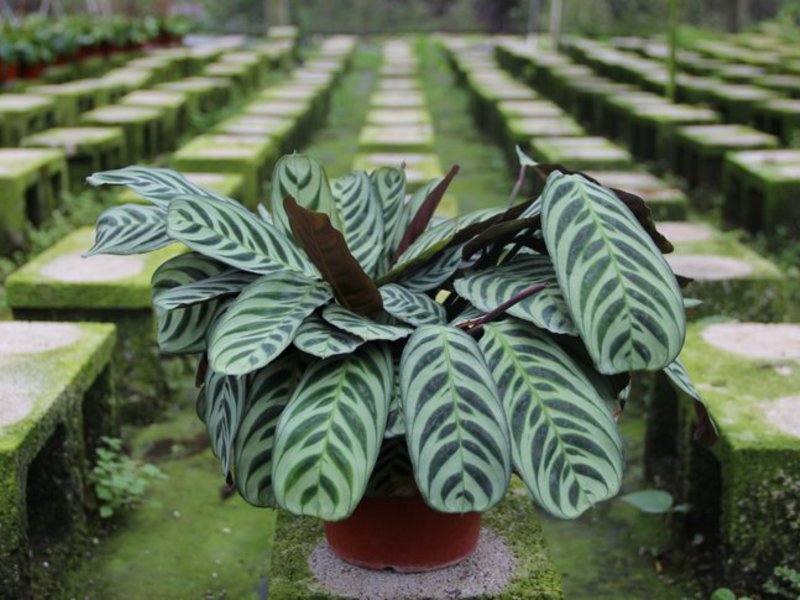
<point>456,431</point>
<point>239,239</point>
<point>268,394</point>
<point>393,473</point>
<point>262,322</point>
<point>564,441</point>
<point>491,287</point>
<point>622,295</point>
<point>323,340</point>
<point>706,431</point>
<point>228,283</point>
<point>432,275</point>
<point>388,191</point>
<point>304,179</point>
<point>264,213</point>
<point>225,398</point>
<point>362,327</point>
<point>416,201</point>
<point>362,218</point>
<point>130,229</point>
<point>410,307</point>
<point>157,185</point>
<point>329,435</point>
<point>183,330</point>
<point>429,242</point>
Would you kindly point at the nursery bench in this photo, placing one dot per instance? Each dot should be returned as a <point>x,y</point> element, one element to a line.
<point>780,117</point>
<point>760,189</point>
<point>243,77</point>
<point>251,157</point>
<point>729,278</point>
<point>88,149</point>
<point>786,85</point>
<point>23,114</point>
<point>206,94</point>
<point>405,117</point>
<point>403,138</point>
<point>300,112</point>
<point>283,130</point>
<point>142,126</point>
<point>76,97</point>
<point>174,106</point>
<point>409,99</point>
<point>130,78</point>
<point>32,181</point>
<point>743,491</point>
<point>666,202</point>
<point>56,400</point>
<point>164,68</point>
<point>699,150</point>
<point>420,168</point>
<point>581,153</point>
<point>256,62</point>
<point>736,102</point>
<point>61,285</point>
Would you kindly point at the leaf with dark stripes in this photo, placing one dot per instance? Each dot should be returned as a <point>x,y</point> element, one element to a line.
<point>361,217</point>
<point>622,295</point>
<point>456,431</point>
<point>228,283</point>
<point>329,435</point>
<point>706,431</point>
<point>321,339</point>
<point>410,307</point>
<point>432,275</point>
<point>328,250</point>
<point>268,393</point>
<point>262,322</point>
<point>362,327</point>
<point>564,441</point>
<point>302,178</point>
<point>239,239</point>
<point>130,229</point>
<point>183,330</point>
<point>489,288</point>
<point>225,398</point>
<point>388,191</point>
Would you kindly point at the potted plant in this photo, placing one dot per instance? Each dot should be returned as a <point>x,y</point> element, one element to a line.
<point>386,370</point>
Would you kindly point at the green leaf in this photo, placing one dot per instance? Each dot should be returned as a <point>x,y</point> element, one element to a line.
<point>304,179</point>
<point>183,330</point>
<point>362,327</point>
<point>410,307</point>
<point>429,242</point>
<point>262,321</point>
<point>564,441</point>
<point>361,217</point>
<point>225,402</point>
<point>156,185</point>
<point>393,473</point>
<point>524,159</point>
<point>327,249</point>
<point>652,502</point>
<point>323,340</point>
<point>329,436</point>
<point>432,275</point>
<point>622,294</point>
<point>268,393</point>
<point>228,283</point>
<point>491,287</point>
<point>388,190</point>
<point>239,239</point>
<point>706,430</point>
<point>130,229</point>
<point>456,432</point>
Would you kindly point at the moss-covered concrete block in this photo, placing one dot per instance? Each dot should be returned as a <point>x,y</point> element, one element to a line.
<point>164,68</point>
<point>744,490</point>
<point>398,138</point>
<point>251,157</point>
<point>398,84</point>
<point>513,520</point>
<point>23,114</point>
<point>88,149</point>
<point>760,189</point>
<point>283,130</point>
<point>61,285</point>
<point>75,97</point>
<point>735,102</point>
<point>142,127</point>
<point>175,113</point>
<point>408,99</point>
<point>411,117</point>
<point>653,127</point>
<point>257,63</point>
<point>206,94</point>
<point>227,184</point>
<point>419,168</point>
<point>32,180</point>
<point>581,153</point>
<point>241,76</point>
<point>666,202</point>
<point>739,73</point>
<point>588,96</point>
<point>520,132</point>
<point>56,400</point>
<point>783,84</point>
<point>130,78</point>
<point>730,279</point>
<point>779,117</point>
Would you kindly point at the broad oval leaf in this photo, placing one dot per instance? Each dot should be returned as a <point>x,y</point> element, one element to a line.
<point>435,273</point>
<point>329,435</point>
<point>224,403</point>
<point>622,295</point>
<point>228,283</point>
<point>706,431</point>
<point>262,322</point>
<point>410,307</point>
<point>321,339</point>
<point>491,287</point>
<point>388,191</point>
<point>268,393</point>
<point>456,431</point>
<point>564,441</point>
<point>362,327</point>
<point>183,330</point>
<point>304,179</point>
<point>653,502</point>
<point>130,229</point>
<point>362,219</point>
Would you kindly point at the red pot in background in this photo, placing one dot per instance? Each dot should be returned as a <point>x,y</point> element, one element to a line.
<point>8,71</point>
<point>33,71</point>
<point>404,534</point>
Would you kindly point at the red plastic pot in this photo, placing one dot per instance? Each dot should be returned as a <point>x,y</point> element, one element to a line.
<point>33,71</point>
<point>404,534</point>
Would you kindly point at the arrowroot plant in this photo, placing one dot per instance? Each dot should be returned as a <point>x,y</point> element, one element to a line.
<point>353,343</point>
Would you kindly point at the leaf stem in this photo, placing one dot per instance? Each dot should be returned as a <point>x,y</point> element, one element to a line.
<point>523,169</point>
<point>476,325</point>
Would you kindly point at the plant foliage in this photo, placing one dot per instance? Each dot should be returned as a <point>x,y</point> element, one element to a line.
<point>346,319</point>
